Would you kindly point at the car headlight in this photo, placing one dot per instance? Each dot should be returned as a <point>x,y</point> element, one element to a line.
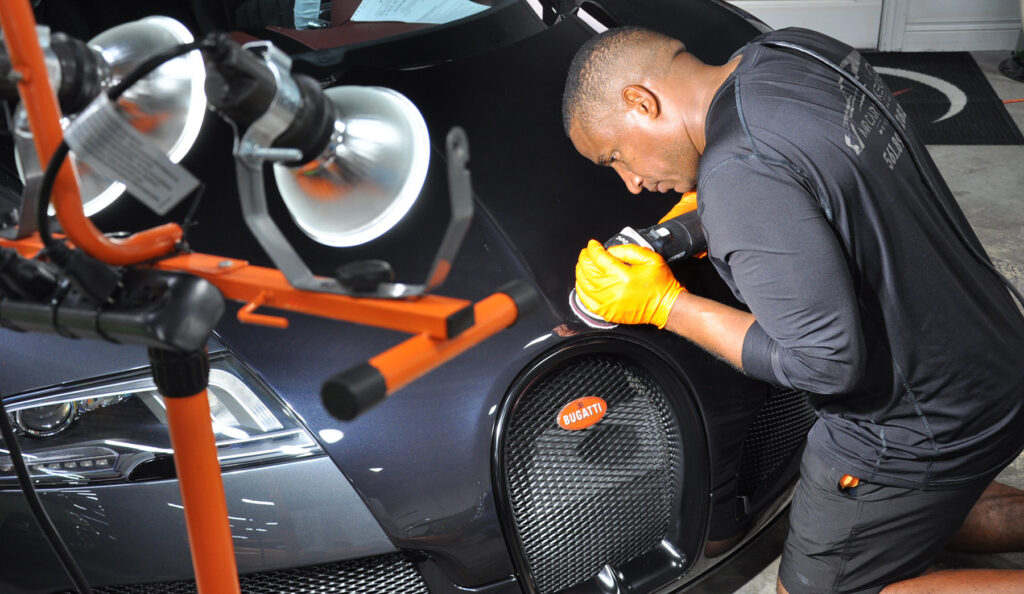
<point>115,429</point>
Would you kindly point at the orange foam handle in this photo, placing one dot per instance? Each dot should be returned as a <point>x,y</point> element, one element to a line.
<point>416,356</point>
<point>19,26</point>
<point>202,494</point>
<point>687,203</point>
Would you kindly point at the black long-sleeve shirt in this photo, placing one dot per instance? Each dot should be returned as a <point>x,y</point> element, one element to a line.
<point>864,294</point>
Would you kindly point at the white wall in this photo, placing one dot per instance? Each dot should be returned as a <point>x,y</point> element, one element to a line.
<point>855,22</point>
<point>895,25</point>
<point>922,25</point>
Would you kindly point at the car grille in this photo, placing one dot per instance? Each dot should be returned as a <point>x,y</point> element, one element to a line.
<point>575,495</point>
<point>393,574</point>
<point>774,436</point>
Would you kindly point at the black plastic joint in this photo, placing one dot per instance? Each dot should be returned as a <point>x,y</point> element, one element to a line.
<point>26,279</point>
<point>354,391</point>
<point>95,279</point>
<point>523,295</point>
<point>179,374</point>
<point>81,72</point>
<point>313,126</point>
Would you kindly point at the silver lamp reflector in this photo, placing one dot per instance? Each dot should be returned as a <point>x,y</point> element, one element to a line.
<point>370,175</point>
<point>167,106</point>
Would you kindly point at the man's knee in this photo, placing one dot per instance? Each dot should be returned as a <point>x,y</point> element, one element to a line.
<point>779,588</point>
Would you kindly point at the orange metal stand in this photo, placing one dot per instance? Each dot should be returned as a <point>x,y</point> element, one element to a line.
<point>425,317</point>
<point>428,317</point>
<point>213,557</point>
<point>202,493</point>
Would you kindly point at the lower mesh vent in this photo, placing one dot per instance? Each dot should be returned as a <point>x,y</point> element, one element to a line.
<point>393,574</point>
<point>775,435</point>
<point>601,495</point>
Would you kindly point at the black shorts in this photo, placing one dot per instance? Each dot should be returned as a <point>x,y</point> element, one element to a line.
<point>864,538</point>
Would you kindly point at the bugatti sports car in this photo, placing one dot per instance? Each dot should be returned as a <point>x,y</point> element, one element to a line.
<point>467,480</point>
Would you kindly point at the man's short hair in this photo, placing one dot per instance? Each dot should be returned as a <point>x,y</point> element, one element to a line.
<point>596,70</point>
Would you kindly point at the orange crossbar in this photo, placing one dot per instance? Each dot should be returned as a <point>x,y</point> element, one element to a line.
<point>202,494</point>
<point>37,96</point>
<point>257,286</point>
<point>240,281</point>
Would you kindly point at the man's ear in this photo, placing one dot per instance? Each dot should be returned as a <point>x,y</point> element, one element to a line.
<point>641,100</point>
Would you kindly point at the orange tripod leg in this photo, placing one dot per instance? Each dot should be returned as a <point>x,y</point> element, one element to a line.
<point>202,494</point>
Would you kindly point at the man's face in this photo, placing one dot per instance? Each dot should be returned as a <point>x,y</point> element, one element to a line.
<point>643,153</point>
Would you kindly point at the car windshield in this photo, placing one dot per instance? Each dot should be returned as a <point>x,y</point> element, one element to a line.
<point>405,33</point>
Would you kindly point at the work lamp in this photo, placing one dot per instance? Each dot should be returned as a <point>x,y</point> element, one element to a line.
<point>349,161</point>
<point>167,107</point>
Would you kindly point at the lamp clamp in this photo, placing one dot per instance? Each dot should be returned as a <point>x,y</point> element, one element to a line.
<point>294,110</point>
<point>248,169</point>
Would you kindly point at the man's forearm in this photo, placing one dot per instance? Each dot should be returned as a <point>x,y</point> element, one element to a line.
<point>717,328</point>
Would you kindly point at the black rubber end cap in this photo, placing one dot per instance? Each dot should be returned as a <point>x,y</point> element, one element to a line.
<point>353,392</point>
<point>459,321</point>
<point>523,295</point>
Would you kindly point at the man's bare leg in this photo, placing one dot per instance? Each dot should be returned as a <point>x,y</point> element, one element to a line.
<point>994,525</point>
<point>959,581</point>
<point>962,581</point>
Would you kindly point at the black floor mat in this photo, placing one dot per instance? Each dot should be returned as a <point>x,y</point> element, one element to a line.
<point>947,97</point>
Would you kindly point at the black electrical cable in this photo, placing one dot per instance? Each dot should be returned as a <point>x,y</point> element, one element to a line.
<point>922,171</point>
<point>187,223</point>
<point>36,506</point>
<point>45,190</point>
<point>154,62</point>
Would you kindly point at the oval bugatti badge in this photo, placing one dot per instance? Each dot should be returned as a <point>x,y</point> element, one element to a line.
<point>582,413</point>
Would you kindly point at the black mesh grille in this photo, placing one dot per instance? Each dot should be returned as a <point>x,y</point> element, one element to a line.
<point>393,574</point>
<point>775,435</point>
<point>577,496</point>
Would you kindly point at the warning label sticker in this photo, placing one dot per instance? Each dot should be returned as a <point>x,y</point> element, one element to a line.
<point>108,143</point>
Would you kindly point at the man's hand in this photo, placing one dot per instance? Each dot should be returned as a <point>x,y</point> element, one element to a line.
<point>626,285</point>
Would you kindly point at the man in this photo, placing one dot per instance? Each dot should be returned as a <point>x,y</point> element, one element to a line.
<point>866,288</point>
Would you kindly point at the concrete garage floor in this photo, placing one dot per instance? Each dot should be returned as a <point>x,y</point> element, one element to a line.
<point>988,181</point>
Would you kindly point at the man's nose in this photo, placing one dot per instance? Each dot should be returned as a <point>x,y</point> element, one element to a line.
<point>634,183</point>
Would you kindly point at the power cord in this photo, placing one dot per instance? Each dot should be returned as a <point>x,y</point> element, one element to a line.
<point>36,506</point>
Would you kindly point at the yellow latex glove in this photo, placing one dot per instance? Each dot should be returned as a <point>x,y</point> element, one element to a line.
<point>627,284</point>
